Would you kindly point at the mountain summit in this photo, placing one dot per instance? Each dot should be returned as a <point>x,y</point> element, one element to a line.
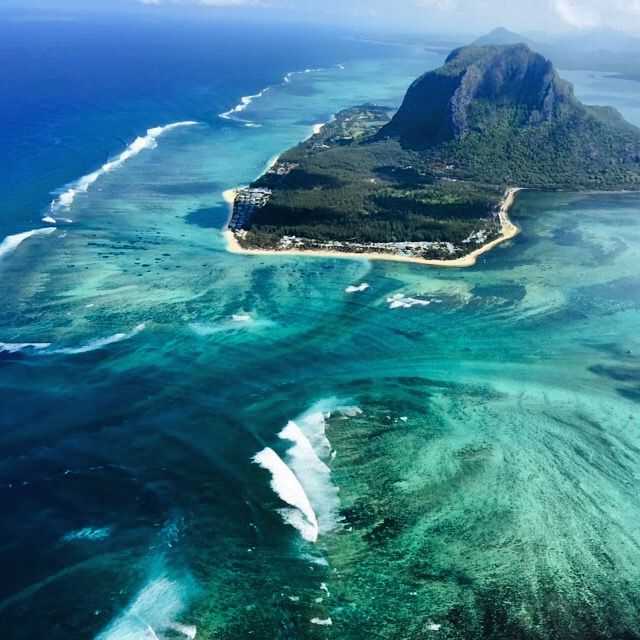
<point>475,87</point>
<point>502,36</point>
<point>503,114</point>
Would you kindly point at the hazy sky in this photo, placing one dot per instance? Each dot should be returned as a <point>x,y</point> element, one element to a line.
<point>415,15</point>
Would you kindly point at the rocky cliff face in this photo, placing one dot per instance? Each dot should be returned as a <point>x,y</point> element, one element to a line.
<point>475,89</point>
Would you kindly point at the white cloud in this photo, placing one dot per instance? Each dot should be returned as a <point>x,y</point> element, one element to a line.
<point>576,16</point>
<point>458,15</point>
<point>586,14</point>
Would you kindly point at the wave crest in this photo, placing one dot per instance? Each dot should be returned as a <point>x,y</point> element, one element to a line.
<point>100,343</point>
<point>17,347</point>
<point>11,243</point>
<point>245,101</point>
<point>285,483</point>
<point>303,478</point>
<point>148,141</point>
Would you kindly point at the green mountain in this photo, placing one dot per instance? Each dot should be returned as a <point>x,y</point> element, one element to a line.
<point>428,180</point>
<point>503,114</point>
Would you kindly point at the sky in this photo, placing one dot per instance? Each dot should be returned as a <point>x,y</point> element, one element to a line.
<point>460,16</point>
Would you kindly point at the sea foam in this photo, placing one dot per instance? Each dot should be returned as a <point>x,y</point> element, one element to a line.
<point>17,347</point>
<point>323,622</point>
<point>148,141</point>
<point>153,611</point>
<point>101,342</point>
<point>357,288</point>
<point>400,301</point>
<point>245,101</point>
<point>11,243</point>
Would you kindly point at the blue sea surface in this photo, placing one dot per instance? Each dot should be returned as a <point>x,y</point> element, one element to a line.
<point>77,91</point>
<point>195,443</point>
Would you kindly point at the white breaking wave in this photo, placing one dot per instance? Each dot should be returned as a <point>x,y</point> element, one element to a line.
<point>311,448</point>
<point>289,76</point>
<point>400,301</point>
<point>16,347</point>
<point>52,220</point>
<point>357,288</point>
<point>11,243</point>
<point>303,479</point>
<point>101,342</point>
<point>148,141</point>
<point>153,611</point>
<point>314,475</point>
<point>285,483</point>
<point>245,101</point>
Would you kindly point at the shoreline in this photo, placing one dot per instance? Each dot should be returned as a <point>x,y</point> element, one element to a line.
<point>508,231</point>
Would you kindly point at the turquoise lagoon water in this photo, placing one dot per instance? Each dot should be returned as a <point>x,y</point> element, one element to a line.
<point>463,461</point>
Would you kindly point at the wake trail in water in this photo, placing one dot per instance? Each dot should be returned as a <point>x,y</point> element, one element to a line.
<point>11,243</point>
<point>148,141</point>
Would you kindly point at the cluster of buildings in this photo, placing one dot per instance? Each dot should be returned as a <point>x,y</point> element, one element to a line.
<point>408,249</point>
<point>245,204</point>
<point>283,168</point>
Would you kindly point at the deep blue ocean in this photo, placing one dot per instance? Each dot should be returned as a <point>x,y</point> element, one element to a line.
<point>195,443</point>
<point>77,91</point>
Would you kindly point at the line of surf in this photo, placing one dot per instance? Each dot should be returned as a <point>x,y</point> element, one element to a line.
<point>148,141</point>
<point>17,347</point>
<point>246,101</point>
<point>302,478</point>
<point>11,243</point>
<point>100,343</point>
<point>44,348</point>
<point>285,483</point>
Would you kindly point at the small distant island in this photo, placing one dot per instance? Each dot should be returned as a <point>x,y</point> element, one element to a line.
<point>434,182</point>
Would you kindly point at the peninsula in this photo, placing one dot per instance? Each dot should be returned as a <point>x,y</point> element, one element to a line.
<point>434,182</point>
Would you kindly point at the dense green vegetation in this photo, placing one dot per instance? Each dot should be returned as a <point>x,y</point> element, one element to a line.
<point>367,192</point>
<point>594,149</point>
<point>492,117</point>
